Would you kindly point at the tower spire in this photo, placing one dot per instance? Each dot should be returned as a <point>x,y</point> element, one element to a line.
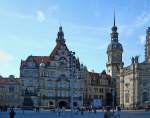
<point>114,19</point>
<point>114,34</point>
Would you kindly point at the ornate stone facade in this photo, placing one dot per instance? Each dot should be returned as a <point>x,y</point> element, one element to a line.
<point>10,91</point>
<point>49,79</point>
<point>135,80</point>
<point>98,86</point>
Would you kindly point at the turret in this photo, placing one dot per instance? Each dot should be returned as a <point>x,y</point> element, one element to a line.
<point>60,36</point>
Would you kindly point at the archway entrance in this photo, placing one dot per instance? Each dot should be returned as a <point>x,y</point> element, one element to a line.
<point>62,104</point>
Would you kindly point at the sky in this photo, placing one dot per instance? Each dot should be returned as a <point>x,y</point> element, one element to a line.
<point>30,27</point>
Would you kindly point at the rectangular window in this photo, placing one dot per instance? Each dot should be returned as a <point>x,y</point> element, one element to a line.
<point>11,89</point>
<point>50,95</point>
<point>51,85</point>
<point>127,97</point>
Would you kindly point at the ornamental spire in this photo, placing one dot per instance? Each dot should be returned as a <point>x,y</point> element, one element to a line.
<point>60,36</point>
<point>114,19</point>
<point>114,34</point>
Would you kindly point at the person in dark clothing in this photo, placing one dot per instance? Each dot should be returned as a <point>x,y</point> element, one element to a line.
<point>12,113</point>
<point>37,109</point>
<point>94,109</point>
<point>107,114</point>
<point>82,111</point>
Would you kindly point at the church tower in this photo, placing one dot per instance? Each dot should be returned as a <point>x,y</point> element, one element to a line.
<point>114,53</point>
<point>147,46</point>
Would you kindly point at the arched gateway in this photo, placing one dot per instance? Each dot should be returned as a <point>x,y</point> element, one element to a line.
<point>62,104</point>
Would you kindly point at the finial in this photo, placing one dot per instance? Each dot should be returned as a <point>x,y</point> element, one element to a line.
<point>60,28</point>
<point>114,28</point>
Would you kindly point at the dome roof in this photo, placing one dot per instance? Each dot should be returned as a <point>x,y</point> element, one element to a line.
<point>114,46</point>
<point>114,28</point>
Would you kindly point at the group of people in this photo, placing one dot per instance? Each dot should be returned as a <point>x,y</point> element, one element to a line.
<point>77,110</point>
<point>6,108</point>
<point>60,110</point>
<point>3,108</point>
<point>108,114</point>
<point>88,109</point>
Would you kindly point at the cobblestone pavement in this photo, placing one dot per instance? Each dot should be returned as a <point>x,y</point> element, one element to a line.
<point>48,114</point>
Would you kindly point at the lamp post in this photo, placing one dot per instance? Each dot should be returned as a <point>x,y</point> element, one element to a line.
<point>72,76</point>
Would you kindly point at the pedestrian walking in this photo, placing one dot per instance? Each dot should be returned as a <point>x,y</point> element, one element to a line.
<point>58,111</point>
<point>63,110</point>
<point>117,114</point>
<point>12,113</point>
<point>82,111</point>
<point>107,113</point>
<point>37,109</point>
<point>94,109</point>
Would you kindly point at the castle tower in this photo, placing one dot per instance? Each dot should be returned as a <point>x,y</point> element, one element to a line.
<point>114,52</point>
<point>147,46</point>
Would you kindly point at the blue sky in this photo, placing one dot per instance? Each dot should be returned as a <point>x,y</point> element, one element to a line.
<point>30,27</point>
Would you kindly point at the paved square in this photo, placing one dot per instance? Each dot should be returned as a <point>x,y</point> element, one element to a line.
<point>48,114</point>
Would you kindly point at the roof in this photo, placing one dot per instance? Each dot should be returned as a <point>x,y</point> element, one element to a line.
<point>94,75</point>
<point>58,45</point>
<point>46,59</point>
<point>102,75</point>
<point>39,59</point>
<point>36,59</point>
<point>9,80</point>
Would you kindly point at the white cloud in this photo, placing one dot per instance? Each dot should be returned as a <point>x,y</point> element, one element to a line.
<point>5,56</point>
<point>40,16</point>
